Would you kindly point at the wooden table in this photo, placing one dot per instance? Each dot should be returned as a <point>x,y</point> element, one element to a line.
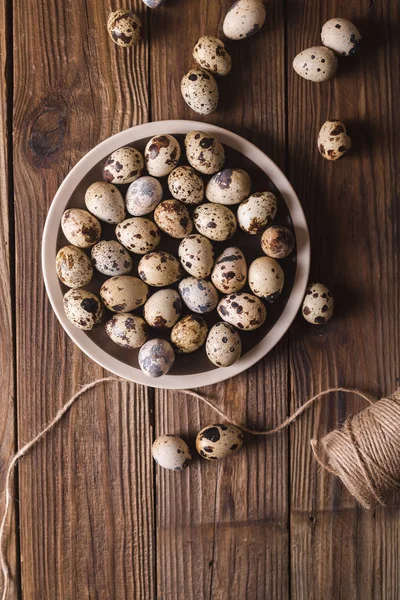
<point>94,518</point>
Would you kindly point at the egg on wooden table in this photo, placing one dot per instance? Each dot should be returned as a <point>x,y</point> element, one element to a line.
<point>196,254</point>
<point>204,152</point>
<point>218,441</point>
<point>173,218</point>
<point>242,310</point>
<point>80,228</point>
<point>83,309</point>
<point>127,330</point>
<point>199,295</point>
<point>223,346</point>
<point>266,278</point>
<point>215,221</point>
<point>163,309</point>
<point>318,304</point>
<point>156,357</point>
<point>341,36</point>
<point>316,64</point>
<point>162,154</point>
<point>200,91</point>
<point>73,267</point>
<point>211,55</point>
<point>105,202</point>
<point>186,185</point>
<point>159,269</point>
<point>244,19</point>
<point>143,195</point>
<point>124,27</point>
<point>333,141</point>
<point>138,234</point>
<point>189,334</point>
<point>171,452</point>
<point>228,187</point>
<point>123,166</point>
<point>257,212</point>
<point>230,271</point>
<point>124,293</point>
<point>277,241</point>
<point>110,258</point>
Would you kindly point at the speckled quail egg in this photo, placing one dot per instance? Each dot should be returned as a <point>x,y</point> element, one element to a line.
<point>242,310</point>
<point>257,212</point>
<point>189,334</point>
<point>333,141</point>
<point>139,235</point>
<point>211,55</point>
<point>196,255</point>
<point>200,91</point>
<point>266,278</point>
<point>153,3</point>
<point>124,27</point>
<point>229,186</point>
<point>123,166</point>
<point>341,36</point>
<point>173,218</point>
<point>143,195</point>
<point>243,19</point>
<point>127,330</point>
<point>215,221</point>
<point>105,202</point>
<point>123,293</point>
<point>316,64</point>
<point>318,304</point>
<point>73,267</point>
<point>230,271</point>
<point>218,441</point>
<point>186,185</point>
<point>277,241</point>
<point>223,346</point>
<point>163,309</point>
<point>83,309</point>
<point>111,258</point>
<point>170,451</point>
<point>162,154</point>
<point>204,152</point>
<point>159,269</point>
<point>156,357</point>
<point>199,295</point>
<point>80,228</point>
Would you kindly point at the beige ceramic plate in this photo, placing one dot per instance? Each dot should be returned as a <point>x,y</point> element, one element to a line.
<point>194,370</point>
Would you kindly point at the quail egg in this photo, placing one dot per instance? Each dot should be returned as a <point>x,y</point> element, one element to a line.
<point>210,54</point>
<point>156,357</point>
<point>139,235</point>
<point>173,218</point>
<point>123,293</point>
<point>127,330</point>
<point>111,258</point>
<point>243,19</point>
<point>316,64</point>
<point>318,304</point>
<point>277,241</point>
<point>218,441</point>
<point>143,195</point>
<point>83,309</point>
<point>189,334</point>
<point>105,202</point>
<point>124,27</point>
<point>196,255</point>
<point>123,166</point>
<point>333,141</point>
<point>159,269</point>
<point>163,309</point>
<point>186,185</point>
<point>229,186</point>
<point>204,152</point>
<point>230,271</point>
<point>200,91</point>
<point>215,221</point>
<point>257,212</point>
<point>199,295</point>
<point>242,310</point>
<point>162,154</point>
<point>341,36</point>
<point>223,346</point>
<point>266,278</point>
<point>73,267</point>
<point>80,228</point>
<point>170,451</point>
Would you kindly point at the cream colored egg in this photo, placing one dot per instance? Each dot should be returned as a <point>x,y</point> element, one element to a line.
<point>123,293</point>
<point>170,451</point>
<point>244,19</point>
<point>223,346</point>
<point>127,330</point>
<point>173,218</point>
<point>162,154</point>
<point>230,271</point>
<point>341,36</point>
<point>316,64</point>
<point>266,278</point>
<point>200,91</point>
<point>186,185</point>
<point>199,295</point>
<point>111,258</point>
<point>83,309</point>
<point>156,357</point>
<point>242,310</point>
<point>333,141</point>
<point>123,166</point>
<point>218,441</point>
<point>277,241</point>
<point>80,228</point>
<point>257,212</point>
<point>163,309</point>
<point>159,269</point>
<point>189,334</point>
<point>143,195</point>
<point>124,27</point>
<point>105,202</point>
<point>196,255</point>
<point>215,221</point>
<point>229,186</point>
<point>318,304</point>
<point>73,267</point>
<point>211,55</point>
<point>138,235</point>
<point>204,152</point>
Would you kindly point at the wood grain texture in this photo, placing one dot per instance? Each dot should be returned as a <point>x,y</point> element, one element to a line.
<point>352,207</point>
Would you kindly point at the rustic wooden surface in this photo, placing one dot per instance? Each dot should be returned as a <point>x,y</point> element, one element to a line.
<point>96,520</point>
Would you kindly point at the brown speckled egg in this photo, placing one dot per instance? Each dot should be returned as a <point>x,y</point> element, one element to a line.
<point>242,310</point>
<point>156,357</point>
<point>196,255</point>
<point>277,241</point>
<point>218,441</point>
<point>199,295</point>
<point>105,202</point>
<point>73,267</point>
<point>215,221</point>
<point>139,235</point>
<point>124,27</point>
<point>257,212</point>
<point>162,154</point>
<point>333,141</point>
<point>210,54</point>
<point>316,64</point>
<point>123,293</point>
<point>143,195</point>
<point>170,451</point>
<point>244,19</point>
<point>230,271</point>
<point>229,186</point>
<point>123,166</point>
<point>189,334</point>
<point>80,228</point>
<point>186,185</point>
<point>266,278</point>
<point>223,346</point>
<point>204,152</point>
<point>200,91</point>
<point>173,218</point>
<point>163,309</point>
<point>83,309</point>
<point>341,36</point>
<point>318,304</point>
<point>111,258</point>
<point>159,269</point>
<point>127,330</point>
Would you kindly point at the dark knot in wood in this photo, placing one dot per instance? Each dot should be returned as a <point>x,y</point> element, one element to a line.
<point>48,132</point>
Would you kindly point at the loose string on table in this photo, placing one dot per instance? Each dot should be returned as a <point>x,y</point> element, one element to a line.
<point>364,453</point>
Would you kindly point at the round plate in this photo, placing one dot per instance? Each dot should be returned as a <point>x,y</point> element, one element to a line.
<point>75,183</point>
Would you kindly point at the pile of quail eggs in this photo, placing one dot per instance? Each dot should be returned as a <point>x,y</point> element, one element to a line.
<point>160,291</point>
